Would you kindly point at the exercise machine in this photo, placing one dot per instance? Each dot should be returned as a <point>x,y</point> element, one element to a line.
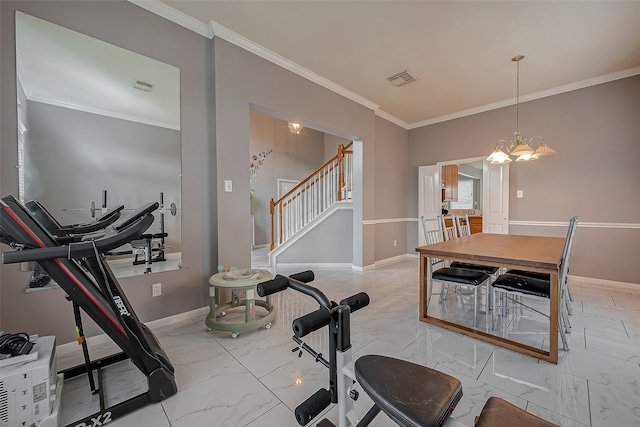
<point>145,244</point>
<point>410,394</point>
<point>50,223</point>
<point>150,243</point>
<point>81,270</point>
<point>40,278</point>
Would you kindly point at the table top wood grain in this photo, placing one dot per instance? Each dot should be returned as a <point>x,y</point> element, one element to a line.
<point>503,249</point>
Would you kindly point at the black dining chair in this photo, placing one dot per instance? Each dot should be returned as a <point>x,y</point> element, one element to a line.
<point>455,276</point>
<point>513,287</point>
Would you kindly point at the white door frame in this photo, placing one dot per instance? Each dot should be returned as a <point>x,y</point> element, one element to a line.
<point>495,198</point>
<point>503,194</point>
<point>429,197</point>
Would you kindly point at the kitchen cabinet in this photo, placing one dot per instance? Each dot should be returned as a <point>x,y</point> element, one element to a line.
<point>475,224</point>
<point>450,183</point>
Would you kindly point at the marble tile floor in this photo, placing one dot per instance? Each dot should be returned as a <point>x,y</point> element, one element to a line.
<point>257,380</point>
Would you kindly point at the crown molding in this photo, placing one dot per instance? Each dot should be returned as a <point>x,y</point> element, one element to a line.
<point>263,52</point>
<point>131,118</point>
<point>214,29</point>
<point>530,97</point>
<point>392,119</point>
<point>173,15</point>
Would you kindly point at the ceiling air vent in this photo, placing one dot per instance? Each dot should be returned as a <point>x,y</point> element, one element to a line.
<point>139,84</point>
<point>401,79</point>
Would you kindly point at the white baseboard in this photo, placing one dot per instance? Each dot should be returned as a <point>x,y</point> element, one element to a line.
<point>104,338</point>
<point>364,268</point>
<point>602,283</point>
<point>369,267</point>
<point>392,260</point>
<point>309,266</point>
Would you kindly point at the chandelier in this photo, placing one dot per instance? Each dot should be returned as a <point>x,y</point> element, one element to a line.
<point>521,148</point>
<point>295,128</point>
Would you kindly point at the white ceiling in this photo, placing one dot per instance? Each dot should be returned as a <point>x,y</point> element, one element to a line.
<point>65,68</point>
<point>460,51</point>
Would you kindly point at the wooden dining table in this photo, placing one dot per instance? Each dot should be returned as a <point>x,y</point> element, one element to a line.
<point>531,253</point>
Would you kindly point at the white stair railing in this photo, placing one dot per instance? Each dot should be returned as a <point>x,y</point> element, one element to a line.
<point>330,183</point>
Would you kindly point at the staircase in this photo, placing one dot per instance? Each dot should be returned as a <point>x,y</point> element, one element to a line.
<point>330,183</point>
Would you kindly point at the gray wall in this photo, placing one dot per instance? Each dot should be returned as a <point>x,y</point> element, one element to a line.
<point>392,176</point>
<point>75,155</point>
<point>331,143</point>
<point>292,157</point>
<point>133,28</point>
<point>245,81</point>
<point>324,244</point>
<point>594,175</point>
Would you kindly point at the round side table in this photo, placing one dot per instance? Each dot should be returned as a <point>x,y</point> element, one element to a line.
<point>217,309</point>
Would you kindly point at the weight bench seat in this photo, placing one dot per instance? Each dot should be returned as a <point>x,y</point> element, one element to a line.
<point>410,394</point>
<point>499,412</point>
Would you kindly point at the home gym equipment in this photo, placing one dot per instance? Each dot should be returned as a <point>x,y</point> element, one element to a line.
<point>50,223</point>
<point>71,233</point>
<point>411,395</point>
<point>81,270</point>
<point>145,243</point>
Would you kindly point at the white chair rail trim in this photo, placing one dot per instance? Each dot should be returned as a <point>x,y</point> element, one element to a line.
<point>628,225</point>
<point>388,220</point>
<point>625,225</point>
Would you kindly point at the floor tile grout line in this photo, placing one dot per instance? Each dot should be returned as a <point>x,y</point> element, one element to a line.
<point>589,402</point>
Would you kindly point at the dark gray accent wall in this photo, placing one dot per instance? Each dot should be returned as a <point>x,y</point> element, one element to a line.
<point>594,175</point>
<point>131,27</point>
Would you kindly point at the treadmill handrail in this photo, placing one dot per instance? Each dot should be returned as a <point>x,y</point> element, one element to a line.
<point>140,212</point>
<point>83,249</point>
<point>89,227</point>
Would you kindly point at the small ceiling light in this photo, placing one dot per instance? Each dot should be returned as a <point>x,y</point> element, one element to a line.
<point>295,128</point>
<point>521,147</point>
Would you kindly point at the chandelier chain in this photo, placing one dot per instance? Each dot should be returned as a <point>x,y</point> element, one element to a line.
<point>518,97</point>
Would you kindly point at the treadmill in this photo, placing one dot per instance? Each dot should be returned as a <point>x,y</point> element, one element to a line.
<point>50,223</point>
<point>65,234</point>
<point>80,268</point>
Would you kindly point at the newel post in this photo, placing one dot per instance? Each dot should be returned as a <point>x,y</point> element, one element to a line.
<point>340,170</point>
<point>272,205</point>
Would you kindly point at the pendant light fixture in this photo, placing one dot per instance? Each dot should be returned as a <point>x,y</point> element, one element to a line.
<point>295,128</point>
<point>521,147</point>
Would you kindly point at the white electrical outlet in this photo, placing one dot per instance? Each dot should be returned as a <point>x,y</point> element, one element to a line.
<point>519,194</point>
<point>156,289</point>
<point>395,243</point>
<point>228,185</point>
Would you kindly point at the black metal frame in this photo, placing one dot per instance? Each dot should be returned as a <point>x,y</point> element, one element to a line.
<point>99,295</point>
